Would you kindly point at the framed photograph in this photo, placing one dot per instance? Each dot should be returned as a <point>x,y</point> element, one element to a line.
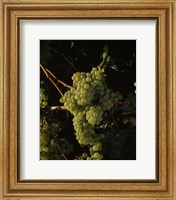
<point>88,100</point>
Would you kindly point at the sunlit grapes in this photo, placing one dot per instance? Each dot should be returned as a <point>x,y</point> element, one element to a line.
<point>89,98</point>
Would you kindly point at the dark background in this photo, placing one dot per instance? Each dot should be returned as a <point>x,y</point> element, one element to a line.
<point>65,57</point>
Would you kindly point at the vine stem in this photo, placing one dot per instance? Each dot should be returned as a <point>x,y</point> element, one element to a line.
<point>47,71</point>
<point>57,108</point>
<point>66,85</point>
<point>104,61</point>
<point>114,120</point>
<point>61,152</point>
<point>65,58</point>
<point>53,108</point>
<point>50,78</point>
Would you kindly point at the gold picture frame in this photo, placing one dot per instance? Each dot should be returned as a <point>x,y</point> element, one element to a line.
<point>164,11</point>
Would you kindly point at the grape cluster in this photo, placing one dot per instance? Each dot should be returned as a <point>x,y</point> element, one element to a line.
<point>43,96</point>
<point>49,132</point>
<point>89,98</point>
<point>135,86</point>
<point>51,145</point>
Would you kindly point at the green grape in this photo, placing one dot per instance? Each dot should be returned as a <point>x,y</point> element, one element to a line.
<point>97,147</point>
<point>135,86</point>
<point>97,156</point>
<point>49,141</point>
<point>43,97</point>
<point>85,155</point>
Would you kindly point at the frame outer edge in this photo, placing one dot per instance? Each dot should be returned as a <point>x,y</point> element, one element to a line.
<point>6,103</point>
<point>1,100</point>
<point>2,104</point>
<point>174,96</point>
<point>87,1</point>
<point>12,138</point>
<point>170,77</point>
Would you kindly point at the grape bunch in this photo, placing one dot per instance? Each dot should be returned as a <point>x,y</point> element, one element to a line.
<point>87,100</point>
<point>43,96</point>
<point>51,144</point>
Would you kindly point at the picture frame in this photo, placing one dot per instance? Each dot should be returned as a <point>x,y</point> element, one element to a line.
<point>11,185</point>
